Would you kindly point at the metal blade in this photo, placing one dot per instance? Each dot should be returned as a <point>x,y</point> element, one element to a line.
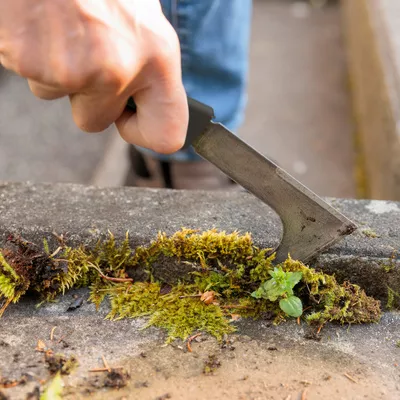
<point>310,225</point>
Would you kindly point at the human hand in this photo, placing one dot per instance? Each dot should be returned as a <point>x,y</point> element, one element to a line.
<point>99,53</point>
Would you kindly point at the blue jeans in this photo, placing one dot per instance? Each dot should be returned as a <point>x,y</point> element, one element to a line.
<point>214,36</point>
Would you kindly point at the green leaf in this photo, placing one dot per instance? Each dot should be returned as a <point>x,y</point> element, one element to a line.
<point>293,278</point>
<point>292,306</point>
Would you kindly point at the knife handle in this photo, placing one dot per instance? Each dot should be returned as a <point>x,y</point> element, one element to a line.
<point>200,116</point>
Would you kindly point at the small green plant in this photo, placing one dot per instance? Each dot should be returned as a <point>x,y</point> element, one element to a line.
<point>281,286</point>
<point>398,344</point>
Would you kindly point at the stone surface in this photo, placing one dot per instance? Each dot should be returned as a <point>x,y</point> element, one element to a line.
<point>372,36</point>
<point>259,362</point>
<point>83,213</point>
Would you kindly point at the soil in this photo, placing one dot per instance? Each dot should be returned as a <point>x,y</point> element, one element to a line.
<point>261,361</point>
<point>245,370</point>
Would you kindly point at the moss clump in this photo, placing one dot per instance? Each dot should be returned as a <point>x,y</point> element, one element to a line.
<point>227,267</point>
<point>369,233</point>
<point>392,297</point>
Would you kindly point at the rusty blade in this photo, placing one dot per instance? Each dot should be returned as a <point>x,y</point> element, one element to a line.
<point>310,224</point>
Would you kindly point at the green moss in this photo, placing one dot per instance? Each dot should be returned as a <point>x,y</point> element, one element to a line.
<point>391,298</point>
<point>369,233</point>
<point>229,268</point>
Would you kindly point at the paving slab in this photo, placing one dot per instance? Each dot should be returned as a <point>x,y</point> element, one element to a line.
<point>259,361</point>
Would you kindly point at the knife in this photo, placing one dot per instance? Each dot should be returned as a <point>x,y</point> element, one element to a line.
<point>310,224</point>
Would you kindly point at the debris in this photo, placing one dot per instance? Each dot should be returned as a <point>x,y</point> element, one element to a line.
<point>8,383</point>
<point>190,340</point>
<point>116,378</point>
<point>76,304</point>
<point>208,297</point>
<point>34,395</point>
<point>59,363</point>
<point>142,384</point>
<point>41,346</point>
<point>235,317</point>
<point>163,397</point>
<point>272,348</point>
<point>105,363</point>
<point>350,378</point>
<point>103,369</point>
<point>52,333</point>
<point>227,344</point>
<point>4,344</point>
<point>211,365</point>
<point>313,335</point>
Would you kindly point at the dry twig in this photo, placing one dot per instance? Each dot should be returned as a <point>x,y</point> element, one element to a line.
<point>349,377</point>
<point>106,364</point>
<point>52,333</point>
<point>190,340</point>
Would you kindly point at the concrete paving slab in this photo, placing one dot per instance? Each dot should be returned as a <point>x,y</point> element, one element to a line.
<point>260,361</point>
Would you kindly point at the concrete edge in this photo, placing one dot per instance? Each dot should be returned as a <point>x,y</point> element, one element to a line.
<point>375,84</point>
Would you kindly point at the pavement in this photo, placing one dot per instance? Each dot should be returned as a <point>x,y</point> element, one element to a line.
<point>260,361</point>
<point>298,112</point>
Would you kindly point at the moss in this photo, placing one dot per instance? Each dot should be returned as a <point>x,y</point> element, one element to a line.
<point>369,233</point>
<point>391,298</point>
<point>228,266</point>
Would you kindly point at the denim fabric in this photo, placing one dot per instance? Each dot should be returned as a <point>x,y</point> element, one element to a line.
<point>214,36</point>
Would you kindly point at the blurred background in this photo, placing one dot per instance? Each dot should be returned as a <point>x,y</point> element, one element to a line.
<point>299,110</point>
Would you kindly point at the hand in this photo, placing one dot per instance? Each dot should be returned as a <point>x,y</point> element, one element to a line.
<point>100,52</point>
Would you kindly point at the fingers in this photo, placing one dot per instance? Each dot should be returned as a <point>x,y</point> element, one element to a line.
<point>161,120</point>
<point>46,92</point>
<point>95,112</point>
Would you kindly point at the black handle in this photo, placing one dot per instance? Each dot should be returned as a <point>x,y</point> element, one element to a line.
<point>200,116</point>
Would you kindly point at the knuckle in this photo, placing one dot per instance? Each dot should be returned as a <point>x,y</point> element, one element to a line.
<point>166,51</point>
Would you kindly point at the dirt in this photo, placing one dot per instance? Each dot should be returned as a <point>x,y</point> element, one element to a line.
<point>261,361</point>
<point>246,369</point>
